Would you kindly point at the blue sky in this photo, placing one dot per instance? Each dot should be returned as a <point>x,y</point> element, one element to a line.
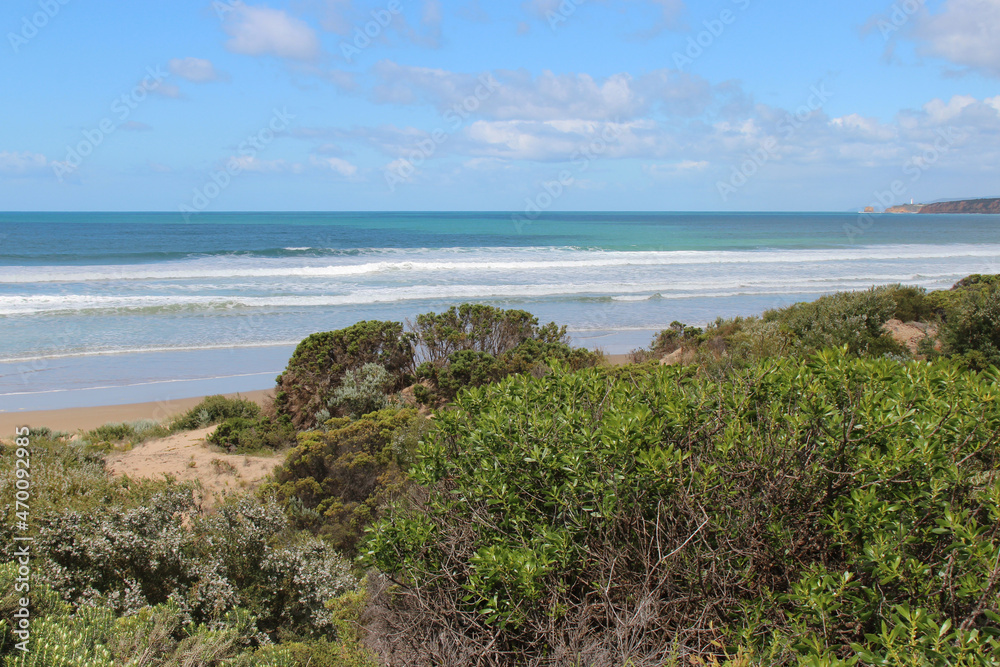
<point>480,105</point>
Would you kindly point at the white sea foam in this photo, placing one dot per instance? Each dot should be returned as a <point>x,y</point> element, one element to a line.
<point>496,261</point>
<point>686,286</point>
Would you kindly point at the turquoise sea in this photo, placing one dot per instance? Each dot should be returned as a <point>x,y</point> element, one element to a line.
<point>100,308</point>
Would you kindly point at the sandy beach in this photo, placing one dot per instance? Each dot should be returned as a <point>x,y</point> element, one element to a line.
<point>74,419</point>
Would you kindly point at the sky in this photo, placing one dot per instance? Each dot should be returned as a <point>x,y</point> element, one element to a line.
<point>671,105</point>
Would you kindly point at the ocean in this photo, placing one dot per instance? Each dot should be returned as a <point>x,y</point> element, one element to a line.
<point>104,308</point>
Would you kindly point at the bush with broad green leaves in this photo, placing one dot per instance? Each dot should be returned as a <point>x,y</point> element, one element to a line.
<point>826,511</point>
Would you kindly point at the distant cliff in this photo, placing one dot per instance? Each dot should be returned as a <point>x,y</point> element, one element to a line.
<point>959,206</point>
<point>905,208</point>
<point>963,206</point>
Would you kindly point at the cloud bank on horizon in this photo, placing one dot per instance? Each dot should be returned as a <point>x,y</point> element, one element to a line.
<point>480,105</point>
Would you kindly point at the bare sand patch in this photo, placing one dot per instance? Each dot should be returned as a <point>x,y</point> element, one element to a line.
<point>909,333</point>
<point>187,457</point>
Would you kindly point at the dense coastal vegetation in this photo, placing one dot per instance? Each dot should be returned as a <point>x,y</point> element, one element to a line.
<point>798,488</point>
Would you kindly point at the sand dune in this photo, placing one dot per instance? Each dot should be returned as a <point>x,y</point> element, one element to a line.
<point>188,457</point>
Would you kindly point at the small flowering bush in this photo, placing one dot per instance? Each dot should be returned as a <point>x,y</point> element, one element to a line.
<point>128,573</point>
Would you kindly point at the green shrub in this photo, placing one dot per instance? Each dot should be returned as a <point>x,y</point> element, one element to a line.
<point>151,637</point>
<point>752,339</point>
<point>126,557</point>
<point>241,435</point>
<point>241,557</point>
<point>132,545</point>
<point>800,512</point>
<point>464,368</point>
<point>65,476</point>
<point>336,481</point>
<point>971,328</point>
<point>480,328</point>
<point>347,650</point>
<point>285,583</point>
<point>126,573</point>
<point>107,436</point>
<point>422,394</point>
<point>914,304</point>
<point>674,337</point>
<point>215,409</point>
<point>978,280</point>
<point>854,319</point>
<point>473,368</point>
<point>361,391</point>
<point>67,641</point>
<point>319,363</point>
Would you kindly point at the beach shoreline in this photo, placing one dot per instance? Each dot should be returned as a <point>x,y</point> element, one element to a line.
<point>75,419</point>
<point>71,420</point>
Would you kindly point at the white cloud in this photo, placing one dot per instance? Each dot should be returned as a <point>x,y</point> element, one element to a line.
<point>939,112</point>
<point>254,164</point>
<point>677,168</point>
<point>329,149</point>
<point>486,164</point>
<point>869,129</point>
<point>337,16</point>
<point>562,140</point>
<point>518,95</point>
<point>964,32</point>
<point>400,167</point>
<point>23,163</point>
<point>259,30</point>
<point>550,96</point>
<point>346,17</point>
<point>335,164</point>
<point>672,123</point>
<point>196,70</point>
<point>689,165</point>
<point>558,11</point>
<point>167,90</point>
<point>340,79</point>
<point>432,18</point>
